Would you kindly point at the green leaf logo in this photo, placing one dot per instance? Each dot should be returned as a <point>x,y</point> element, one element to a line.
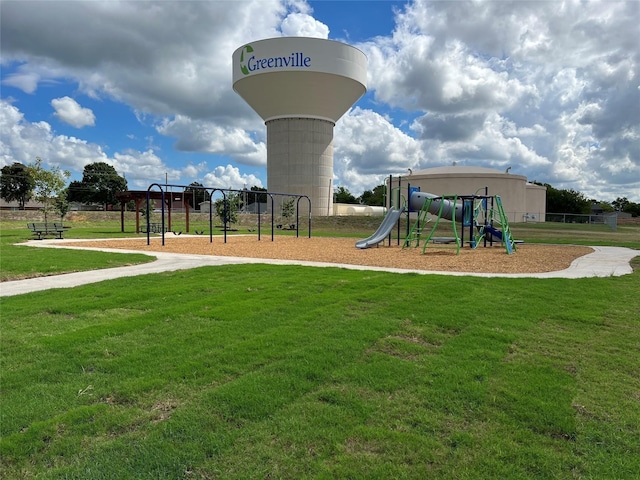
<point>243,67</point>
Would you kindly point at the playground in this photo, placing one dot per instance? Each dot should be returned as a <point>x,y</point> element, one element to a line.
<point>481,244</point>
<point>377,250</point>
<point>530,258</point>
<point>476,213</point>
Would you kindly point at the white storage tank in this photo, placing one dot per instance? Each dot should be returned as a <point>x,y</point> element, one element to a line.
<point>522,201</point>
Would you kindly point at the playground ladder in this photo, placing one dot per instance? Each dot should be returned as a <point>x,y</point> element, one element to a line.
<point>479,212</point>
<point>454,200</point>
<point>507,238</point>
<point>418,226</point>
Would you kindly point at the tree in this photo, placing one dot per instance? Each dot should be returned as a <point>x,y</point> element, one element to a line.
<point>227,209</point>
<point>48,184</point>
<point>566,201</point>
<point>620,203</point>
<point>257,197</point>
<point>632,208</point>
<point>16,183</point>
<point>373,198</point>
<point>343,195</point>
<point>100,183</point>
<point>288,209</point>
<point>76,192</point>
<point>61,206</point>
<point>200,194</point>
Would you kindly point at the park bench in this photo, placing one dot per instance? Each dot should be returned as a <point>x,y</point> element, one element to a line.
<point>44,229</point>
<point>153,228</point>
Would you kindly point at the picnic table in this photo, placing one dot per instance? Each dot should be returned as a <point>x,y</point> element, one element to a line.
<point>43,230</point>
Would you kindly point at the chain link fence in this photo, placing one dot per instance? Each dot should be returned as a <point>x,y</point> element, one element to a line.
<point>610,219</point>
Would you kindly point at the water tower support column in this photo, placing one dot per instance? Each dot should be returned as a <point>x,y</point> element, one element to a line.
<point>300,159</point>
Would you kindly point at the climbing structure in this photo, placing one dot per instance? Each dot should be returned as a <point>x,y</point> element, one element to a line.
<point>495,227</point>
<point>482,215</point>
<point>439,208</point>
<point>415,232</point>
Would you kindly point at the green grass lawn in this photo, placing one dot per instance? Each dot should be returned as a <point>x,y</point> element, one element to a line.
<point>259,371</point>
<point>263,371</point>
<point>19,261</point>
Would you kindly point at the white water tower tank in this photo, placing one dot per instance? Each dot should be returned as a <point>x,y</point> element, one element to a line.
<point>300,87</point>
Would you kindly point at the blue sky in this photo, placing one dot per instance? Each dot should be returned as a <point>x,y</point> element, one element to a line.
<point>550,89</point>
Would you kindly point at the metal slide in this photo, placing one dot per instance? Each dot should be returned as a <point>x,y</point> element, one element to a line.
<point>393,215</point>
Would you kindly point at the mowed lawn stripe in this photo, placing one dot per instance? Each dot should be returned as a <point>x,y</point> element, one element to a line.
<point>255,370</point>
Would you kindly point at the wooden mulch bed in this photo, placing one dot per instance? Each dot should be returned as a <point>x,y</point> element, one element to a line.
<point>529,258</point>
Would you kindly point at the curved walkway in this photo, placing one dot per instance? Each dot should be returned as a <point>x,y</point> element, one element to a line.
<point>603,262</point>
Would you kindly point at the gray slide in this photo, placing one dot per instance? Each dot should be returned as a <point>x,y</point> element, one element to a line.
<point>383,230</point>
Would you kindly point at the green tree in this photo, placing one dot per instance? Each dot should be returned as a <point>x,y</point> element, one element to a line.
<point>227,210</point>
<point>61,206</point>
<point>373,198</point>
<point>76,192</point>
<point>16,183</point>
<point>48,184</point>
<point>343,195</point>
<point>566,201</point>
<point>200,194</point>
<point>623,204</point>
<point>288,209</point>
<point>620,203</point>
<point>257,197</point>
<point>633,209</point>
<point>100,183</point>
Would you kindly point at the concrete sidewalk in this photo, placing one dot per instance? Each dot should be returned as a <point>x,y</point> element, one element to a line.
<point>603,262</point>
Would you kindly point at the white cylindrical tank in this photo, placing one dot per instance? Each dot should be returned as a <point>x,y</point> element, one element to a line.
<point>300,87</point>
<point>374,211</point>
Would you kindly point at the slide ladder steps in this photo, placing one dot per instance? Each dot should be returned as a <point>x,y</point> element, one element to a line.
<point>453,199</point>
<point>415,233</point>
<point>479,212</point>
<point>507,238</point>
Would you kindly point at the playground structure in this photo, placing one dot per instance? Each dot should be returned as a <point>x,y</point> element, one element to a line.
<point>481,218</point>
<point>165,193</point>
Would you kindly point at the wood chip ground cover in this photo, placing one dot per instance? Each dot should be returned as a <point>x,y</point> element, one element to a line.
<point>529,258</point>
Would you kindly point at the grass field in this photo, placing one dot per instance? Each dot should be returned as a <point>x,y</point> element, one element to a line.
<point>258,371</point>
<point>19,262</point>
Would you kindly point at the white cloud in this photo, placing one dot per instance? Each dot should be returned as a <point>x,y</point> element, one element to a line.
<point>230,177</point>
<point>118,50</point>
<point>208,137</point>
<point>550,88</point>
<point>303,25</point>
<point>367,148</point>
<point>70,111</point>
<point>193,171</point>
<point>143,168</point>
<point>27,82</point>
<point>22,141</point>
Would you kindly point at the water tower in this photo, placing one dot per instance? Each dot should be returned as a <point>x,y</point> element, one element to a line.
<point>300,87</point>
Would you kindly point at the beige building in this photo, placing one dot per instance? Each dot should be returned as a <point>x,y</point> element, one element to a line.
<point>522,201</point>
